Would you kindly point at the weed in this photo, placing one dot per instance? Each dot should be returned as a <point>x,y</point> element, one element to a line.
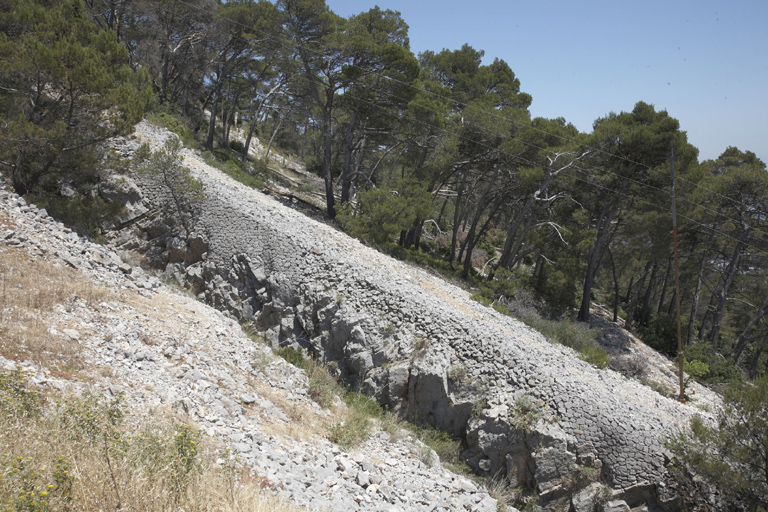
<point>350,432</point>
<point>235,170</point>
<point>16,399</point>
<point>527,411</point>
<point>657,387</point>
<point>448,448</point>
<point>62,460</point>
<point>31,289</point>
<point>505,496</point>
<point>457,373</point>
<point>420,345</point>
<point>595,355</point>
<point>323,387</point>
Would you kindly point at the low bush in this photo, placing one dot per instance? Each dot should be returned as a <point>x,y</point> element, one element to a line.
<point>323,387</point>
<point>79,453</point>
<point>578,336</point>
<point>661,334</point>
<point>234,169</point>
<point>719,369</point>
<point>174,123</point>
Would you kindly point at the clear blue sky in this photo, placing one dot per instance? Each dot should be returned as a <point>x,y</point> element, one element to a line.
<point>705,61</point>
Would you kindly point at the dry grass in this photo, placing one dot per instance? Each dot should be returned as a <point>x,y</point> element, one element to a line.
<point>76,455</point>
<point>30,292</point>
<point>305,424</point>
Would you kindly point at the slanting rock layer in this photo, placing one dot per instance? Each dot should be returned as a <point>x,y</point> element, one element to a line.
<point>421,346</point>
<point>164,350</point>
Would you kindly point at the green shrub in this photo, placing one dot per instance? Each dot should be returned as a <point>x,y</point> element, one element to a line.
<point>526,411</point>
<point>236,145</point>
<point>481,298</point>
<point>661,333</point>
<point>234,169</point>
<point>381,213</point>
<point>357,427</point>
<point>595,355</point>
<point>578,336</point>
<point>731,455</point>
<point>447,448</point>
<point>174,123</point>
<point>90,418</point>
<point>719,369</point>
<point>86,214</point>
<point>323,387</point>
<point>16,399</point>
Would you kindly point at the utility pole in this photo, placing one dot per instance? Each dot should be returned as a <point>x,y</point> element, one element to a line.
<point>681,396</point>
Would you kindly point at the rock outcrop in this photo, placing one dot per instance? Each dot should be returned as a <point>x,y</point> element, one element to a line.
<point>421,346</point>
<point>166,353</point>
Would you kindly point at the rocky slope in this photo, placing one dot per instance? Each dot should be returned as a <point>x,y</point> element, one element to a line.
<point>167,351</point>
<point>530,411</point>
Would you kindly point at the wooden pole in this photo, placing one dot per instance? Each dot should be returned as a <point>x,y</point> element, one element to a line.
<point>681,396</point>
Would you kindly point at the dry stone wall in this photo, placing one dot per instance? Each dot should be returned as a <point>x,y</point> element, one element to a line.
<point>421,346</point>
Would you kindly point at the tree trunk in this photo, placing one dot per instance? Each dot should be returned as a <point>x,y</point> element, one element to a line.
<point>633,305</point>
<point>744,337</point>
<point>272,138</point>
<point>699,281</point>
<point>214,107</point>
<point>615,287</point>
<point>471,240</point>
<point>346,170</point>
<point>593,257</point>
<point>730,273</point>
<point>670,265</point>
<point>645,312</point>
<point>457,220</point>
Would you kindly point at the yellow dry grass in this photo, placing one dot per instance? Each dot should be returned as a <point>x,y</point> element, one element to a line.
<point>68,471</point>
<point>31,290</point>
<point>306,423</point>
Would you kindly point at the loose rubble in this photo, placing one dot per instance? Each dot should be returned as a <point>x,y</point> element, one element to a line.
<point>421,346</point>
<point>163,349</point>
<point>398,333</point>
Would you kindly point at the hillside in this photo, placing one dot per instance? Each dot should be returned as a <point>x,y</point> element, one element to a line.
<point>420,345</point>
<point>80,321</point>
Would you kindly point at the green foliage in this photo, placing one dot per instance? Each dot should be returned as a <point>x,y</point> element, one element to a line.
<point>595,355</point>
<point>66,87</point>
<point>357,427</point>
<point>732,454</point>
<point>526,411</point>
<point>576,335</point>
<point>16,399</point>
<point>557,284</point>
<point>323,387</point>
<point>457,373</point>
<point>719,369</point>
<point>385,211</point>
<point>185,190</point>
<point>661,333</point>
<point>250,177</point>
<point>419,258</point>
<point>514,299</point>
<point>86,214</point>
<point>174,123</point>
<point>448,448</point>
<point>32,487</point>
<point>89,417</point>
<point>481,298</point>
